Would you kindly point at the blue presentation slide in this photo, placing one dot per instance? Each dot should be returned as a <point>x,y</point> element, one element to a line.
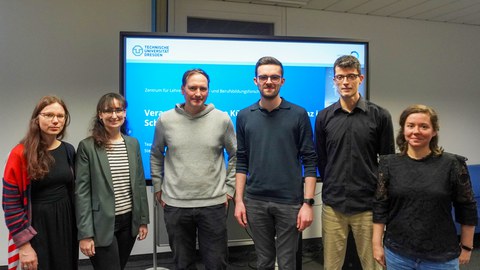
<point>153,70</point>
<point>156,88</point>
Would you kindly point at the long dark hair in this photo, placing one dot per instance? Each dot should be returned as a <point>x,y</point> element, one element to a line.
<point>36,151</point>
<point>99,133</point>
<point>418,108</point>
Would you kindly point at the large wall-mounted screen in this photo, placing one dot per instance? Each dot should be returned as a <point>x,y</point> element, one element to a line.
<point>152,65</point>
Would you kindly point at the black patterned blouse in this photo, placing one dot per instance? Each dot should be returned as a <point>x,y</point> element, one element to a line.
<point>414,198</point>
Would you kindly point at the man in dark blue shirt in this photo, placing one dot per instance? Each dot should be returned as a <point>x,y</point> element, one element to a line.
<point>274,140</point>
<point>350,135</point>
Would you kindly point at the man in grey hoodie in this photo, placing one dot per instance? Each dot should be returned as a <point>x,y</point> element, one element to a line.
<point>189,175</point>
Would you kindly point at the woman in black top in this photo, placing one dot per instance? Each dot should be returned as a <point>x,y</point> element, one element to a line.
<point>415,193</point>
<point>38,186</point>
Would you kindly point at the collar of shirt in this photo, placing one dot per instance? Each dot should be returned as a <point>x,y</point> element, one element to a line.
<point>283,105</point>
<point>361,104</point>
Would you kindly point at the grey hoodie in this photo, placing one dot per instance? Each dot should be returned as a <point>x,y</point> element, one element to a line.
<point>187,157</point>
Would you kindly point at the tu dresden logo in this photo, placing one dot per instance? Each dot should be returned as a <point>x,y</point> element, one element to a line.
<point>137,50</point>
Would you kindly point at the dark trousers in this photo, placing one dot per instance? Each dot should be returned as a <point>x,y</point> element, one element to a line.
<point>210,223</point>
<point>274,233</point>
<point>115,256</point>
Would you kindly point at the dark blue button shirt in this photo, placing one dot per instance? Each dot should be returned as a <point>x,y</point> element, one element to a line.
<point>271,149</point>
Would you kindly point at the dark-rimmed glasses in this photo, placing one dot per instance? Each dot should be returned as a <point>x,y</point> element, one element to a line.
<point>109,112</point>
<point>273,78</point>
<point>350,77</point>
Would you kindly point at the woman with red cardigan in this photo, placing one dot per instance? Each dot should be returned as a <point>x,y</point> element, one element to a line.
<point>38,193</point>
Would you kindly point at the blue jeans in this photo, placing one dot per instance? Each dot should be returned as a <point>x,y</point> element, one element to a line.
<point>267,220</point>
<point>182,226</point>
<point>399,262</point>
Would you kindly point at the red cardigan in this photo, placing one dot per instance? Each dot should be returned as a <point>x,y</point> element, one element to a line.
<point>16,194</point>
<point>15,203</point>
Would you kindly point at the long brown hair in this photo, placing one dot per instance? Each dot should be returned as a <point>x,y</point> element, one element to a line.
<point>419,108</point>
<point>99,133</point>
<point>36,151</point>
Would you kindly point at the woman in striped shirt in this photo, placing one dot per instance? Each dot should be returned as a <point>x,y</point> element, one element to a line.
<point>110,195</point>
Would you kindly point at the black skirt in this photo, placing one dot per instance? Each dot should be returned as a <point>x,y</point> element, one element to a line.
<point>56,242</point>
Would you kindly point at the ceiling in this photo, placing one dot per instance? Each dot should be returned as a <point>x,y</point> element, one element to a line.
<point>449,11</point>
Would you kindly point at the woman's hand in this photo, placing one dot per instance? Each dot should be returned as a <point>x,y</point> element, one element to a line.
<point>379,255</point>
<point>377,244</point>
<point>28,257</point>
<point>87,247</point>
<point>142,232</point>
<point>464,256</point>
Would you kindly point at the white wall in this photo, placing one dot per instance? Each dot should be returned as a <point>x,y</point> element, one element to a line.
<point>414,62</point>
<point>70,48</point>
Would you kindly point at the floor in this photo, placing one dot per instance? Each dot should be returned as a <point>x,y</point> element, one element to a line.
<point>239,258</point>
<point>244,258</point>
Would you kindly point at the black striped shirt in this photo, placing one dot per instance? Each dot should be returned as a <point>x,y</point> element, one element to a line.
<point>119,168</point>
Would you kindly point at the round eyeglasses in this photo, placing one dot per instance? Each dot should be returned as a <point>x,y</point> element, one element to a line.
<point>50,116</point>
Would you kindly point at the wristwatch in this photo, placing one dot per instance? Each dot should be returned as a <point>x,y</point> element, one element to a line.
<point>465,247</point>
<point>309,201</point>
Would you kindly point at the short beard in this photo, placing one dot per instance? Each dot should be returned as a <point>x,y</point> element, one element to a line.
<point>268,97</point>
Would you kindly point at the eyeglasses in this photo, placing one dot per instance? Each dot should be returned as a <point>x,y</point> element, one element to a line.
<point>273,78</point>
<point>109,112</point>
<point>350,77</point>
<point>50,116</point>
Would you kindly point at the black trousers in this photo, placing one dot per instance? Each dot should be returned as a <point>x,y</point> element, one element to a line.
<point>209,224</point>
<point>115,256</point>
